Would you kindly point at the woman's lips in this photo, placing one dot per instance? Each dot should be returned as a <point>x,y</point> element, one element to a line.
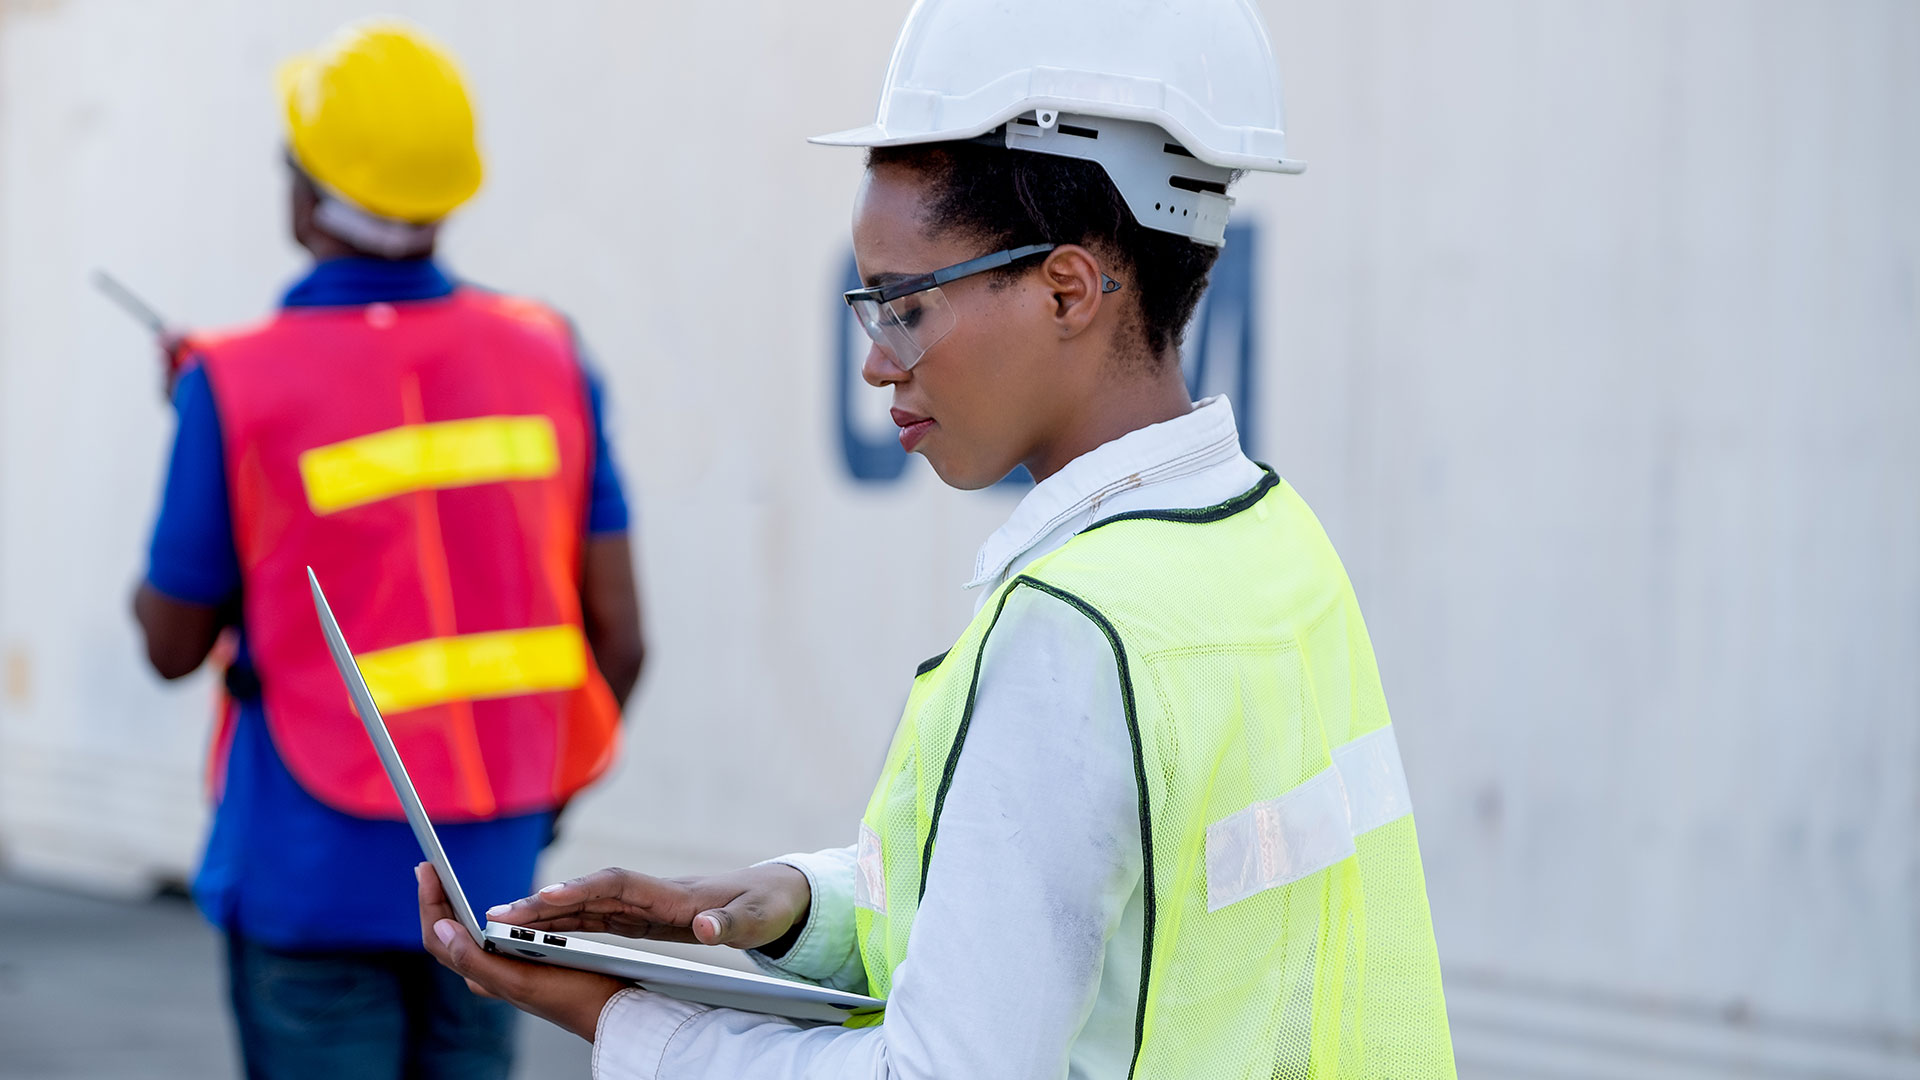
<point>913,428</point>
<point>911,434</point>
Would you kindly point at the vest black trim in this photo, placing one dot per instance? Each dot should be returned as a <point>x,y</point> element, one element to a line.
<point>1201,515</point>
<point>1139,774</point>
<point>1198,516</point>
<point>959,740</point>
<point>929,664</point>
<point>1140,784</point>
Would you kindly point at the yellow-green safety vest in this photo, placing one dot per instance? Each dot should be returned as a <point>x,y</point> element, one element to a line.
<point>1287,933</point>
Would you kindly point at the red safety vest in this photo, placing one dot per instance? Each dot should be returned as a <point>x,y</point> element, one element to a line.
<point>431,461</point>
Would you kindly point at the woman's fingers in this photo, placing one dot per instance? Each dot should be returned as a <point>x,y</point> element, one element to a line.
<point>743,909</point>
<point>773,897</point>
<point>495,976</point>
<point>429,883</point>
<point>712,927</point>
<point>611,901</point>
<point>444,936</point>
<point>607,924</point>
<point>434,905</point>
<point>561,925</point>
<point>571,999</point>
<point>743,923</point>
<point>602,892</point>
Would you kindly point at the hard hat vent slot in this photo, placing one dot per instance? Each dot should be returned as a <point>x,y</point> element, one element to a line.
<point>1187,183</point>
<point>1134,154</point>
<point>1064,129</point>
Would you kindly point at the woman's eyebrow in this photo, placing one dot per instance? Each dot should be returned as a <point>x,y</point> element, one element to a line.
<point>875,281</point>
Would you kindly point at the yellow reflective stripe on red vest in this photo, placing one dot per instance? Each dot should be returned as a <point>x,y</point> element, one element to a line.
<point>504,663</point>
<point>426,457</point>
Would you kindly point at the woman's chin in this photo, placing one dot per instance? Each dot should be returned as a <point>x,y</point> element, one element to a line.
<point>962,475</point>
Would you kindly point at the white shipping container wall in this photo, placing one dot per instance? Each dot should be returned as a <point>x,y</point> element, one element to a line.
<point>1592,333</point>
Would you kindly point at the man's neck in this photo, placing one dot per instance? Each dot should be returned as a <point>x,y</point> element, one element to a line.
<point>324,247</point>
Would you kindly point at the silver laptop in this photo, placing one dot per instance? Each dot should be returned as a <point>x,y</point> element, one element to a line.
<point>685,979</point>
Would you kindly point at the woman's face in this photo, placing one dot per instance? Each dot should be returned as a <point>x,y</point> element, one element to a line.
<point>984,398</point>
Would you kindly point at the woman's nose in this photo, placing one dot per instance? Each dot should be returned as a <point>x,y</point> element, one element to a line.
<point>880,368</point>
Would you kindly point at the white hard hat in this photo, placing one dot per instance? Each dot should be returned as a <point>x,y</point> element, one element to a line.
<point>1171,97</point>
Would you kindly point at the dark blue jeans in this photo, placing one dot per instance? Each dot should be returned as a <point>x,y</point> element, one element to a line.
<point>365,1015</point>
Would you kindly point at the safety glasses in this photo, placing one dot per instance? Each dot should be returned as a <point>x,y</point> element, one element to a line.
<point>910,316</point>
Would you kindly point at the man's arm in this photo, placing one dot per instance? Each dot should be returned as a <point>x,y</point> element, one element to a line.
<point>179,635</point>
<point>609,594</point>
<point>193,571</point>
<point>610,605</point>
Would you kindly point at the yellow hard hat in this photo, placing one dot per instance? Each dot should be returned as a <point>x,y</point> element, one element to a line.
<point>379,116</point>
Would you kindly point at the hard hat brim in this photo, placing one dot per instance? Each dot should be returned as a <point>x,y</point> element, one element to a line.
<point>875,135</point>
<point>871,135</point>
<point>287,75</point>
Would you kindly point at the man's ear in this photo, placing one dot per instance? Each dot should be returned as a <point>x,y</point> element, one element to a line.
<point>302,198</point>
<point>1072,275</point>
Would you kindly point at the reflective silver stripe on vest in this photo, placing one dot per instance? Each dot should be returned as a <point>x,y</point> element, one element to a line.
<point>869,872</point>
<point>1280,840</point>
<point>1375,780</point>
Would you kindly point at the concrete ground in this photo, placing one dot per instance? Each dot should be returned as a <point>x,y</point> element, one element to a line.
<point>98,988</point>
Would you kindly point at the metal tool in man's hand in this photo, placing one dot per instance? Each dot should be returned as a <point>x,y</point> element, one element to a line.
<point>131,304</point>
<point>174,345</point>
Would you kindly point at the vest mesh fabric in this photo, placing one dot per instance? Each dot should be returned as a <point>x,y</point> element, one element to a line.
<point>1245,668</point>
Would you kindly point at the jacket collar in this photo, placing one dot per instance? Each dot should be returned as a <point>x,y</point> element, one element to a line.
<point>355,280</point>
<point>1071,499</point>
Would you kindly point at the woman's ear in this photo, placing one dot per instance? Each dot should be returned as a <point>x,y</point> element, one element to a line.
<point>1072,276</point>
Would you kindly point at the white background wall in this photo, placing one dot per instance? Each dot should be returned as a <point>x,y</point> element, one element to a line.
<point>1593,334</point>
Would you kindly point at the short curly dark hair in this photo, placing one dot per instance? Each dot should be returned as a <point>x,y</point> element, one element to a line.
<point>1006,198</point>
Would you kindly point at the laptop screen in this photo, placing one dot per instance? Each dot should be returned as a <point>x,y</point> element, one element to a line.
<point>390,758</point>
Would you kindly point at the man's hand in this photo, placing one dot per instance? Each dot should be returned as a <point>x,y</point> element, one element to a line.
<point>174,350</point>
<point>179,635</point>
<point>561,996</point>
<point>744,908</point>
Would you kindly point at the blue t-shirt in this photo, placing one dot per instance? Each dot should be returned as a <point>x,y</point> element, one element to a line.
<point>282,868</point>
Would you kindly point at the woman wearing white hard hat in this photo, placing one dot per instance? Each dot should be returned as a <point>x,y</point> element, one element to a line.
<point>1147,817</point>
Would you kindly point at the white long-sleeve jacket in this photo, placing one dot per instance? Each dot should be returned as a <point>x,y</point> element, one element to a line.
<point>1024,960</point>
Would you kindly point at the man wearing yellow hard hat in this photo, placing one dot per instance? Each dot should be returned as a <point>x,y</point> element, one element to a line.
<point>436,454</point>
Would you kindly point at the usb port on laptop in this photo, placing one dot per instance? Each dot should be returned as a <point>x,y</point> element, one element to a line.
<point>520,934</point>
<point>556,939</point>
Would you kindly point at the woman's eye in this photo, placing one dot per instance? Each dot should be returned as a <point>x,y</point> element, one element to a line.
<point>906,311</point>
